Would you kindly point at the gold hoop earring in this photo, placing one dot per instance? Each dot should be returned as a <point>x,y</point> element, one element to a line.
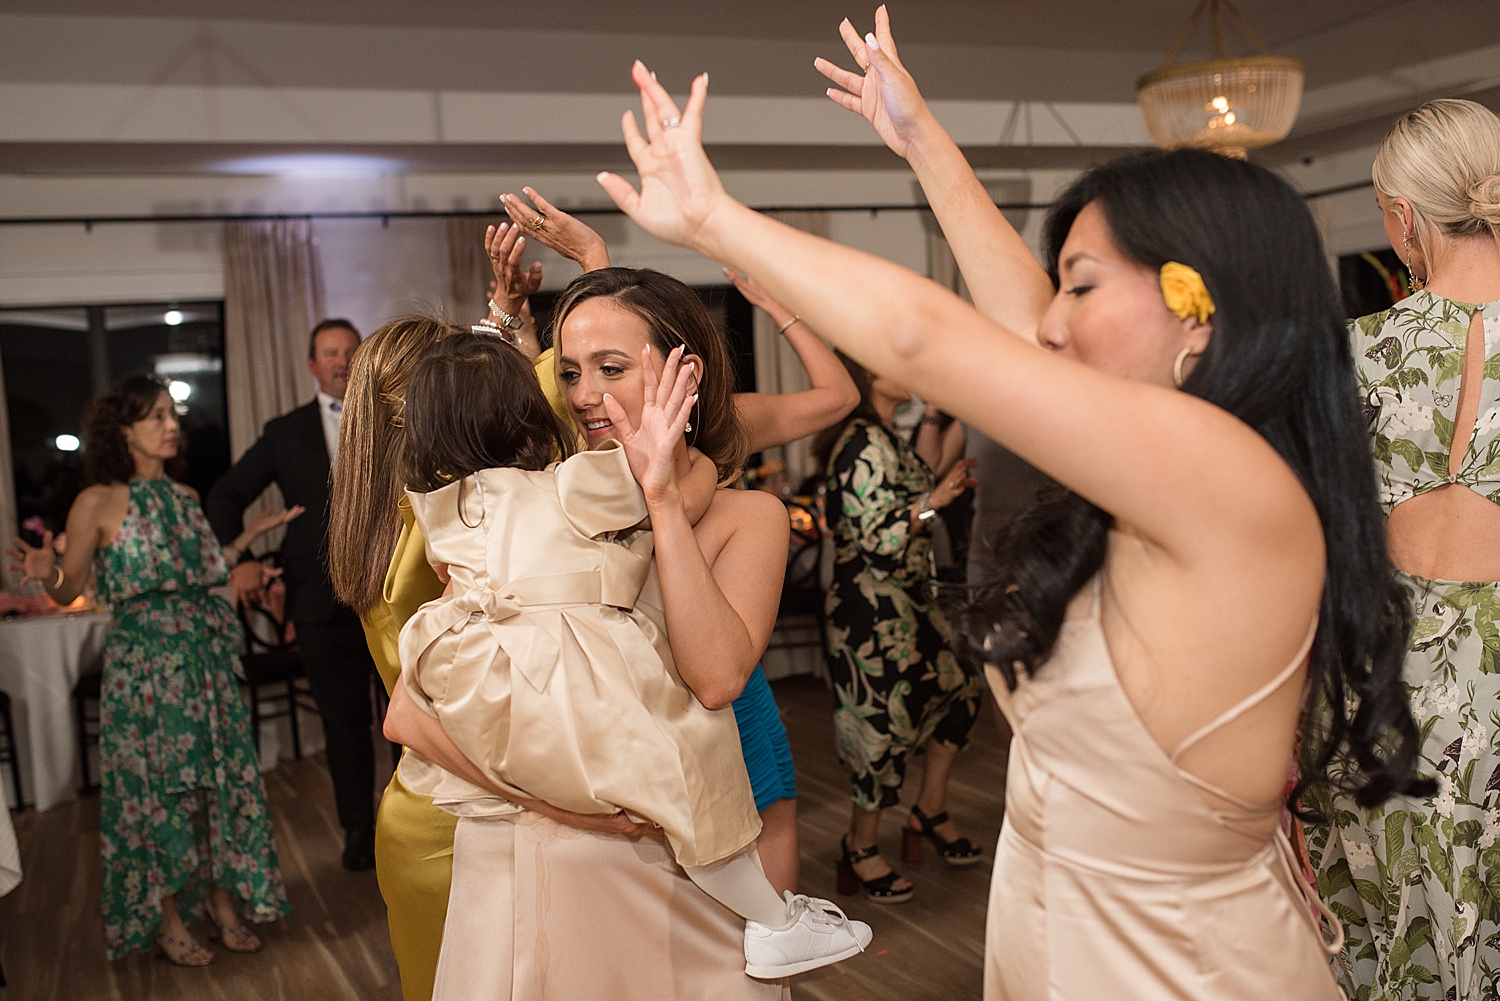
<point>1177,368</point>
<point>1420,284</point>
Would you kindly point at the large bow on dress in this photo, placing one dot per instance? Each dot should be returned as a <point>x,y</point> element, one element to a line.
<point>486,616</point>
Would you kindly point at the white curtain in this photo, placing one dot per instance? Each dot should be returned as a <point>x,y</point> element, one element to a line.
<point>470,269</point>
<point>777,367</point>
<point>273,297</point>
<point>942,266</point>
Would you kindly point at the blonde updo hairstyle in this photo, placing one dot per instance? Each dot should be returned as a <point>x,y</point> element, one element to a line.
<point>1444,158</point>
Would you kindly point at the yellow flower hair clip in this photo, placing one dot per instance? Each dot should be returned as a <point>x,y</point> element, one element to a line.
<point>1185,293</point>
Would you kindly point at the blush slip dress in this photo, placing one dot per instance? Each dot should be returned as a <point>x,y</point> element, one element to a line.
<point>1115,878</point>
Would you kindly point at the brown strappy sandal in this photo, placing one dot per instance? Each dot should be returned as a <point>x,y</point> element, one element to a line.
<point>189,946</point>
<point>234,939</point>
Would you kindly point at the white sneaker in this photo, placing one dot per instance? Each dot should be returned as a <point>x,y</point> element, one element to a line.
<point>822,934</point>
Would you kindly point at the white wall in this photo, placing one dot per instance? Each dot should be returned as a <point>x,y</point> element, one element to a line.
<point>372,271</point>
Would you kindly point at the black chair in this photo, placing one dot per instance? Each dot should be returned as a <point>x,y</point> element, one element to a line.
<point>87,724</point>
<point>8,747</point>
<point>271,661</point>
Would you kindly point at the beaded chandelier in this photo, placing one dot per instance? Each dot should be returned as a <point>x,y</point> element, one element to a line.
<point>1228,105</point>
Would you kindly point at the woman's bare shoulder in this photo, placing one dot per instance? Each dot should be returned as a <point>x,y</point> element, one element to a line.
<point>101,496</point>
<point>747,504</point>
<point>733,512</point>
<point>746,517</point>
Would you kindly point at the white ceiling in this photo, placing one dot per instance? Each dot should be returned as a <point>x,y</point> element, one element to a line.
<point>1376,57</point>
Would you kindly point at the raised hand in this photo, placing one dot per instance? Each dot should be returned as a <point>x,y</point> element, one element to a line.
<point>504,244</point>
<point>32,562</point>
<point>886,95</point>
<point>758,296</point>
<point>552,227</point>
<point>680,189</point>
<point>651,448</point>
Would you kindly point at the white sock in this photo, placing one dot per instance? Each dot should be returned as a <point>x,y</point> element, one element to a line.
<point>739,885</point>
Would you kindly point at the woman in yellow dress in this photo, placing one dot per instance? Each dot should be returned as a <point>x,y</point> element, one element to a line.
<point>372,527</point>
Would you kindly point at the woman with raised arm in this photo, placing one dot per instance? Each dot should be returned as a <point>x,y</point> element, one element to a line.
<point>609,913</point>
<point>373,528</point>
<point>770,419</point>
<point>1219,551</point>
<point>1410,878</point>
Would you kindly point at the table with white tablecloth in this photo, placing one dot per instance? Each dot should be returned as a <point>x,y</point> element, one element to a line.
<point>41,660</point>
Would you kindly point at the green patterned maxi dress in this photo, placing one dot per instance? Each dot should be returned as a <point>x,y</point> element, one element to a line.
<point>182,806</point>
<point>1417,881</point>
<point>896,681</point>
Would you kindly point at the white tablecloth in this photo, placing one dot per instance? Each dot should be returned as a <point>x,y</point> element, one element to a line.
<point>40,662</point>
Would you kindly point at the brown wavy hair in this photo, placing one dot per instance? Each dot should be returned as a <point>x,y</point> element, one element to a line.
<point>363,520</point>
<point>674,315</point>
<point>473,403</point>
<point>106,457</point>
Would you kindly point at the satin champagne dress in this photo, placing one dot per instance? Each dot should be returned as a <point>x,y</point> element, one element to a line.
<point>549,665</point>
<point>414,839</point>
<point>1115,877</point>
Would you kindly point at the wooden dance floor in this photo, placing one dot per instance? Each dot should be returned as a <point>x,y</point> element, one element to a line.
<point>335,947</point>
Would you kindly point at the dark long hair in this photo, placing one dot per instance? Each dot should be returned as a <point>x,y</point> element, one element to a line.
<point>1279,360</point>
<point>106,457</point>
<point>674,315</point>
<point>473,403</point>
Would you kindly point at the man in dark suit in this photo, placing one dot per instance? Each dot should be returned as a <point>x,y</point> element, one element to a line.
<point>297,452</point>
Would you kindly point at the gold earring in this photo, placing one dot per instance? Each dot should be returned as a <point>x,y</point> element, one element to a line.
<point>1419,284</point>
<point>1177,368</point>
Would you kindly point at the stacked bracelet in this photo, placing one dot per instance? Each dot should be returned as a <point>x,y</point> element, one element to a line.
<point>508,321</point>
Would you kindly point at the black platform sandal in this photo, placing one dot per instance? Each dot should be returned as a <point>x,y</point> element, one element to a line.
<point>959,852</point>
<point>878,890</point>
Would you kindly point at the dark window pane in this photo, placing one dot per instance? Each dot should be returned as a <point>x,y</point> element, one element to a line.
<point>55,360</point>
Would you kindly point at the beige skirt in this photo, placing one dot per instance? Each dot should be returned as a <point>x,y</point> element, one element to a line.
<point>543,912</point>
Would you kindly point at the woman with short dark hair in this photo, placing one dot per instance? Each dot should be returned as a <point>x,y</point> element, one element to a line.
<point>183,820</point>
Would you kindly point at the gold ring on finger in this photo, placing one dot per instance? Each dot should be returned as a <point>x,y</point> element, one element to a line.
<point>537,224</point>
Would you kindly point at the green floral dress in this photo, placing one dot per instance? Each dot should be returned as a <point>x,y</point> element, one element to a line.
<point>896,681</point>
<point>182,805</point>
<point>1417,881</point>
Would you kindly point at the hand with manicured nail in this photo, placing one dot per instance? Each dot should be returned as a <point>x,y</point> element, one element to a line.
<point>680,190</point>
<point>885,94</point>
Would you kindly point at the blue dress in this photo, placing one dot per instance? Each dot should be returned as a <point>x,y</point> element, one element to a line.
<point>768,756</point>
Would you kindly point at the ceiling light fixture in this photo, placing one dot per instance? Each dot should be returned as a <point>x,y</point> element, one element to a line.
<point>172,317</point>
<point>1229,105</point>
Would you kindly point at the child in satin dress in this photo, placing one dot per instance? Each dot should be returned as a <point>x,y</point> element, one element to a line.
<point>547,662</point>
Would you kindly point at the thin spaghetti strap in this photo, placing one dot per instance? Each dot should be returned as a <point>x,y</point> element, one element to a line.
<point>1254,699</point>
